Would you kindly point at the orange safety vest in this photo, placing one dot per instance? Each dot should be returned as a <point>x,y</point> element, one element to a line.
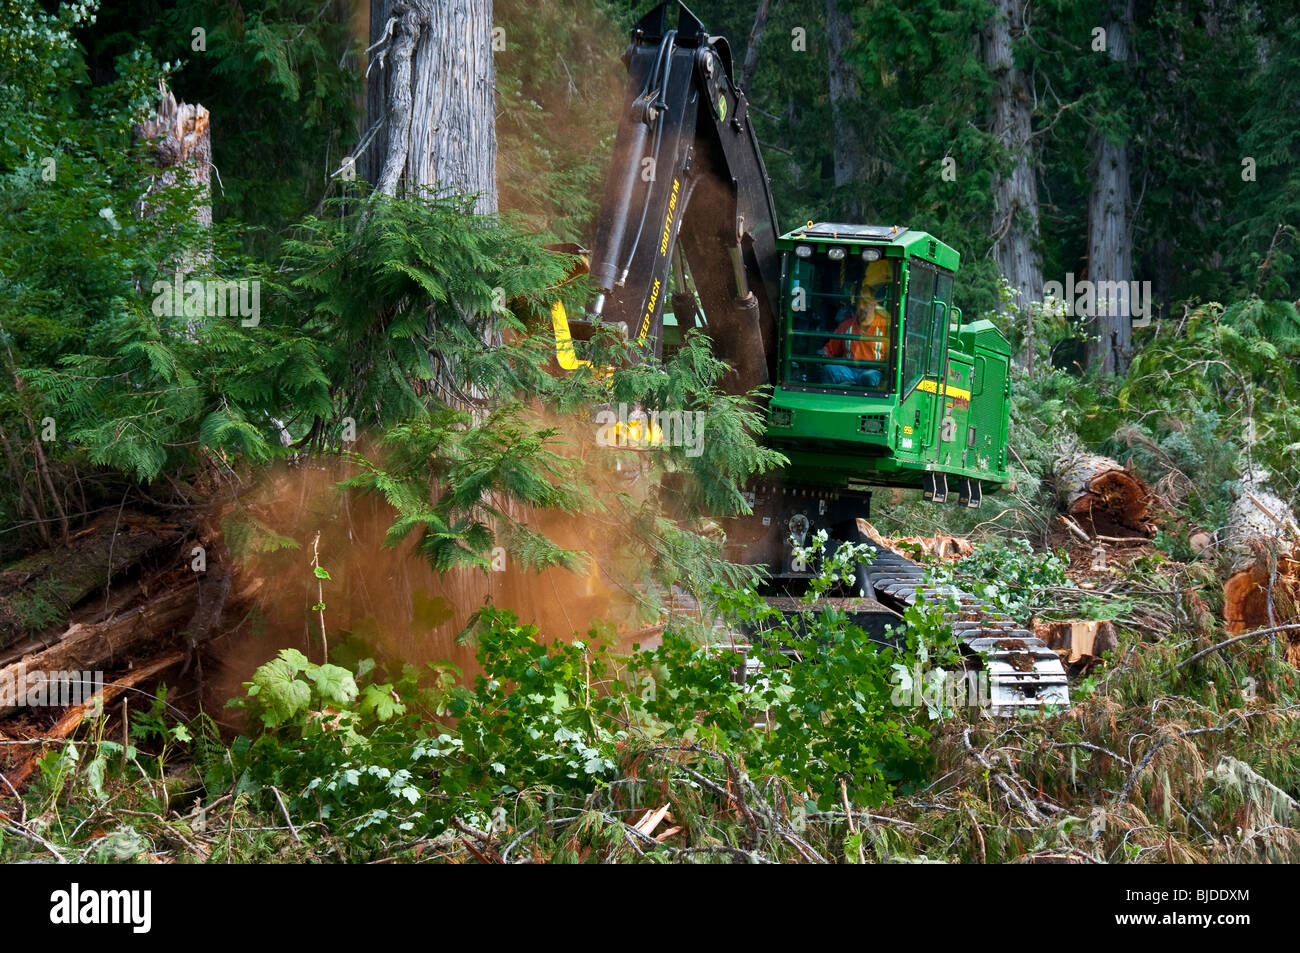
<point>862,348</point>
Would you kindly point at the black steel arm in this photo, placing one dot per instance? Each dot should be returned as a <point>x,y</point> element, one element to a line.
<point>687,168</point>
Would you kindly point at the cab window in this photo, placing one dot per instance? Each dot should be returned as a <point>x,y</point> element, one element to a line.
<point>917,326</point>
<point>939,321</point>
<point>841,320</point>
<point>925,332</point>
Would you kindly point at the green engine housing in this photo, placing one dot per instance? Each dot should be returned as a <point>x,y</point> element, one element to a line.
<point>879,381</point>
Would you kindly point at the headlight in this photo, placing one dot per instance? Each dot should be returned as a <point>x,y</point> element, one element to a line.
<point>871,254</point>
<point>803,251</point>
<point>835,254</point>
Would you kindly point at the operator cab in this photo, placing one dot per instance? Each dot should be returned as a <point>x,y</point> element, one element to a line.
<point>856,298</point>
<point>843,323</point>
<point>879,381</point>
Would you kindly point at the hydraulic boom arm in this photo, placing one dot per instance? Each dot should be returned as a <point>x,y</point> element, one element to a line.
<point>687,168</point>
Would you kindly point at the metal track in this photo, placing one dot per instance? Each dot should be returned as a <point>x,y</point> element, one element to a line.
<point>1023,673</point>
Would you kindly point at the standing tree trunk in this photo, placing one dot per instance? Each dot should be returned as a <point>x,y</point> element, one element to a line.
<point>431,105</point>
<point>1015,191</point>
<point>430,98</point>
<point>1110,246</point>
<point>751,50</point>
<point>845,140</point>
<point>181,138</point>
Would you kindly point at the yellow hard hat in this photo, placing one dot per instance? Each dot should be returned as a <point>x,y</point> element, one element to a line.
<point>878,272</point>
<point>875,282</point>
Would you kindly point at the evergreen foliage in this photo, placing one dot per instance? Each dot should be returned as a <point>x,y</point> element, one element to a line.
<point>411,339</point>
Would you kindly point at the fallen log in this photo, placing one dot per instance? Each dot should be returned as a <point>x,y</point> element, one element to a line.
<point>100,646</point>
<point>74,716</point>
<point>1256,597</point>
<point>1259,523</point>
<point>40,590</point>
<point>1102,496</point>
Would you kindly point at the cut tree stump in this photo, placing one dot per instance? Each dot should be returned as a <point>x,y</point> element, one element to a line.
<point>1080,643</point>
<point>1263,542</point>
<point>1103,497</point>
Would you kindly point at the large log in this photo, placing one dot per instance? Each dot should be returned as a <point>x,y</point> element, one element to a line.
<point>1103,497</point>
<point>40,590</point>
<point>1259,523</point>
<point>103,645</point>
<point>75,715</point>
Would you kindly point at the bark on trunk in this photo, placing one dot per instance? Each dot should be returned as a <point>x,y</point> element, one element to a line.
<point>1102,496</point>
<point>57,580</point>
<point>1015,228</point>
<point>106,644</point>
<point>431,103</point>
<point>430,98</point>
<point>845,139</point>
<point>1110,249</point>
